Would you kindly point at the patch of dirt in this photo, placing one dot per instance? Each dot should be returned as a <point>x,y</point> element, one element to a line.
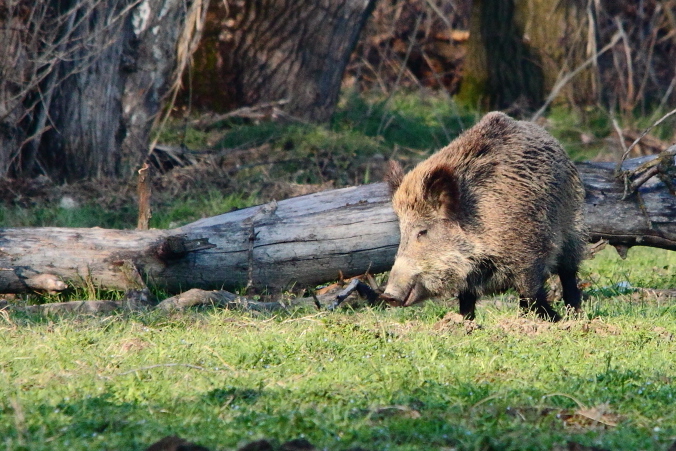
<point>406,328</point>
<point>455,321</point>
<point>664,334</point>
<point>132,345</point>
<point>524,326</point>
<point>530,327</point>
<point>653,296</point>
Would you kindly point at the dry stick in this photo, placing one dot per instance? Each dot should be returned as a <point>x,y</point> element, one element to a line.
<point>561,83</point>
<point>620,135</point>
<point>665,98</point>
<point>192,32</point>
<point>255,111</point>
<point>618,169</point>
<point>144,212</point>
<point>651,48</point>
<point>438,80</point>
<point>630,69</point>
<point>440,13</point>
<point>649,169</point>
<point>402,68</point>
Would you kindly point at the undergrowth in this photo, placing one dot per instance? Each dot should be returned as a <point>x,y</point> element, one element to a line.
<point>240,163</point>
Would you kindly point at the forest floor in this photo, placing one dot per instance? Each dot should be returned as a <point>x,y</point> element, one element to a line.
<point>358,378</point>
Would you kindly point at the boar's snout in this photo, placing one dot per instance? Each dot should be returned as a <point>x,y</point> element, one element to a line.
<point>404,287</point>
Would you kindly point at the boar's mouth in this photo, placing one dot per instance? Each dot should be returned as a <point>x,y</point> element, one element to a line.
<point>415,293</point>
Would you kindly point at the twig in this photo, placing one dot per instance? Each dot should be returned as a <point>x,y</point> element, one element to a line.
<point>163,365</point>
<point>564,81</point>
<point>440,13</point>
<point>355,285</point>
<point>259,111</point>
<point>144,193</point>
<point>618,169</point>
<point>630,99</point>
<point>402,69</point>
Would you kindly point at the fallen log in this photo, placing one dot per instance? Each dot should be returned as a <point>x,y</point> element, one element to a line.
<point>303,241</point>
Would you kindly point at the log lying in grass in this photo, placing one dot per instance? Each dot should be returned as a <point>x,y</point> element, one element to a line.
<point>305,240</point>
<point>646,218</point>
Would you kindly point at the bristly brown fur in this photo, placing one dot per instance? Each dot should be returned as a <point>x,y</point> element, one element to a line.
<point>499,207</point>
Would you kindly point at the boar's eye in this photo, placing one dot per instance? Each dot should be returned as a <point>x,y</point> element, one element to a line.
<point>421,234</point>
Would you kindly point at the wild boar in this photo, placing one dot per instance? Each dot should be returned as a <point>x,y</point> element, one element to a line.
<point>500,207</point>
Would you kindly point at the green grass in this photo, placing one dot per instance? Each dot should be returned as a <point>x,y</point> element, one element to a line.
<point>46,215</point>
<point>375,378</point>
<point>381,379</point>
<point>167,214</point>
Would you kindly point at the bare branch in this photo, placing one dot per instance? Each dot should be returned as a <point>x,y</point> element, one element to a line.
<point>564,81</point>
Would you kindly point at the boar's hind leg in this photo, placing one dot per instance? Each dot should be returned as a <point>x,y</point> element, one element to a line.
<point>467,300</point>
<point>538,303</point>
<point>571,293</point>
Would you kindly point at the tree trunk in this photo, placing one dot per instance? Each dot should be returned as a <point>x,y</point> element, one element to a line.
<point>502,71</point>
<point>292,49</point>
<point>302,241</point>
<point>85,81</point>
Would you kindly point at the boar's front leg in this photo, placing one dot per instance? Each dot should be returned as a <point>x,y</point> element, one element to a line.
<point>533,295</point>
<point>467,300</point>
<point>538,303</point>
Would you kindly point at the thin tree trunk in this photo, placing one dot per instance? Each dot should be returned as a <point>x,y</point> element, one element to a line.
<point>303,241</point>
<point>295,50</point>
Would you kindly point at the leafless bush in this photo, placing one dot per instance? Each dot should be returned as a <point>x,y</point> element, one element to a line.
<point>413,43</point>
<point>423,43</point>
<point>44,43</point>
<point>639,72</point>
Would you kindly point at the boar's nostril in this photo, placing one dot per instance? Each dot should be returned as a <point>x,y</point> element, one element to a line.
<point>397,296</point>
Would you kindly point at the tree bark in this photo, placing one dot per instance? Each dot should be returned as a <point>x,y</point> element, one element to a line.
<point>84,83</point>
<point>303,241</point>
<point>295,50</point>
<point>502,70</point>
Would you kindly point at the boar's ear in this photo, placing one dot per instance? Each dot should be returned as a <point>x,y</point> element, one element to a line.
<point>441,190</point>
<point>394,176</point>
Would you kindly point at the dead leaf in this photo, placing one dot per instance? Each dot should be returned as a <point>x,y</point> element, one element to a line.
<point>600,414</point>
